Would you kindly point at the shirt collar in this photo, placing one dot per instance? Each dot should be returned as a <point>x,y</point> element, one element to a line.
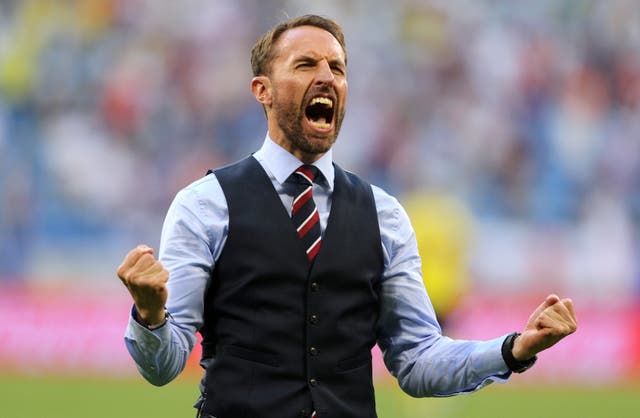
<point>282,163</point>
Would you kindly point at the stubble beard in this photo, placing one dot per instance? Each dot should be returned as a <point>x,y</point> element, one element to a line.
<point>290,118</point>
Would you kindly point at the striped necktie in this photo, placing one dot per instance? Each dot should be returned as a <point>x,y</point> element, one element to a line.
<point>304,212</point>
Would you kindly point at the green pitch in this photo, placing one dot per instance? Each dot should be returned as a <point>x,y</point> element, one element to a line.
<point>39,397</point>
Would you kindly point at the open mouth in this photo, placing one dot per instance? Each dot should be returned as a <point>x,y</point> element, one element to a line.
<point>319,112</point>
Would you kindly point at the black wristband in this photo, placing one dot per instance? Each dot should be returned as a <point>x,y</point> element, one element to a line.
<point>514,365</point>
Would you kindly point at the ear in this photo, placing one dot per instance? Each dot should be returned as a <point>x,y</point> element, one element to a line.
<point>261,89</point>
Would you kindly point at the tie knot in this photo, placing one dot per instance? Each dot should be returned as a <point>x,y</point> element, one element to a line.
<point>306,174</point>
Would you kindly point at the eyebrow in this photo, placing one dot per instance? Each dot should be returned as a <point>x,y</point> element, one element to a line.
<point>305,58</point>
<point>310,59</point>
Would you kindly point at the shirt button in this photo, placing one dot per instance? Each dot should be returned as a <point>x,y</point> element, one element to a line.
<point>313,382</point>
<point>315,287</point>
<point>304,414</point>
<point>313,351</point>
<point>313,319</point>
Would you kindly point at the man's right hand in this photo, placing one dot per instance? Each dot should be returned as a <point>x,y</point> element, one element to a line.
<point>146,280</point>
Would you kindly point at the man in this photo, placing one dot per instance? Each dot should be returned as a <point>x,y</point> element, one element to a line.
<point>291,274</point>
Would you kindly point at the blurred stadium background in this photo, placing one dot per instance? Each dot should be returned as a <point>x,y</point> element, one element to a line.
<point>510,130</point>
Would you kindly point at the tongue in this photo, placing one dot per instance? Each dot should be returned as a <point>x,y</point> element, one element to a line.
<point>321,120</point>
<point>320,123</point>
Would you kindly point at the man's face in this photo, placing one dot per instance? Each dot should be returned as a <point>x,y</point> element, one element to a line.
<point>309,89</point>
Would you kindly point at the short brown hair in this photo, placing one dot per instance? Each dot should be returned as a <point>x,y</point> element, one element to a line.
<point>262,53</point>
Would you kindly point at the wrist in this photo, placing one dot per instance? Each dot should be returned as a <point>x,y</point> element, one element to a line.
<point>512,360</point>
<point>149,320</point>
<point>518,351</point>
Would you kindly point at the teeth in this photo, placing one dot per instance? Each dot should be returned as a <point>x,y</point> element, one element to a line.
<point>323,100</point>
<point>321,125</point>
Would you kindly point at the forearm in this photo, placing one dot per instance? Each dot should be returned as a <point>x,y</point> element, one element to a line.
<point>449,367</point>
<point>160,355</point>
<point>425,362</point>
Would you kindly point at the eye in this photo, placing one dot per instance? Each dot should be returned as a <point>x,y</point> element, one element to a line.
<point>304,64</point>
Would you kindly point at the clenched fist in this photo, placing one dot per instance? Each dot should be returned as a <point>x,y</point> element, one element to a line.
<point>146,280</point>
<point>553,320</point>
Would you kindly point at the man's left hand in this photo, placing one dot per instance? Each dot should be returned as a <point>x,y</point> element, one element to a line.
<point>553,320</point>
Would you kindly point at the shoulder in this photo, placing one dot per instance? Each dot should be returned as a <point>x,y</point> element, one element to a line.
<point>390,211</point>
<point>210,185</point>
<point>391,214</point>
<point>351,181</point>
<point>202,197</point>
<point>203,186</point>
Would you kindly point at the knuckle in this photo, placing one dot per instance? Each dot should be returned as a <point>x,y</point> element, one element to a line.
<point>147,258</point>
<point>125,275</point>
<point>121,272</point>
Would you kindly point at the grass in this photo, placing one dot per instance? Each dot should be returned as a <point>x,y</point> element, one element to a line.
<point>73,397</point>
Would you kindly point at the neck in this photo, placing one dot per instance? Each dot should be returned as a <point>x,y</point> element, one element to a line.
<point>290,146</point>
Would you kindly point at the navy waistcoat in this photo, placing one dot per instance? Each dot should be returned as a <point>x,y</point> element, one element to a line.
<point>287,337</point>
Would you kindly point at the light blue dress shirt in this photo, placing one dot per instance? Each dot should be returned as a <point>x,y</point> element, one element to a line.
<point>425,362</point>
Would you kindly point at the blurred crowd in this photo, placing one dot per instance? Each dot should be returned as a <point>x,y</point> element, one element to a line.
<point>525,112</point>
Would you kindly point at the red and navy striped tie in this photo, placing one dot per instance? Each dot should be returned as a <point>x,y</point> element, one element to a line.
<point>304,212</point>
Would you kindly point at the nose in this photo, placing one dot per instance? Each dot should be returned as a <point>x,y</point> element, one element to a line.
<point>324,75</point>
